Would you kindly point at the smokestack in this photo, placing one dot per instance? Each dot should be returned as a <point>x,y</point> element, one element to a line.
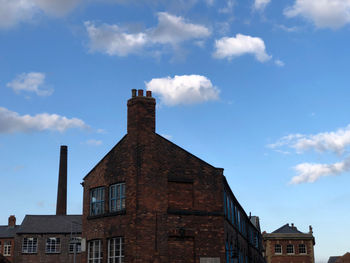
<point>61,205</point>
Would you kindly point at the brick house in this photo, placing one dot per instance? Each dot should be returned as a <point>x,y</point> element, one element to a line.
<point>7,237</point>
<point>148,200</point>
<point>288,245</point>
<point>340,259</point>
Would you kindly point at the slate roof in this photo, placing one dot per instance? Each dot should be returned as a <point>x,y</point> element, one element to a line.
<point>286,229</point>
<point>332,259</point>
<point>8,231</point>
<point>46,224</point>
<point>255,222</point>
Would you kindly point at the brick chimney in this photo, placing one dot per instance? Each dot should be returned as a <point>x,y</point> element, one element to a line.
<point>12,221</point>
<point>141,112</point>
<point>61,205</point>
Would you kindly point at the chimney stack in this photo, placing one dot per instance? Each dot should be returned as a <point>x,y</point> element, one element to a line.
<point>61,206</point>
<point>141,112</point>
<point>12,221</point>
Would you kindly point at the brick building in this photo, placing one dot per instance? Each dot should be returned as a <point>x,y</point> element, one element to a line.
<point>340,259</point>
<point>7,238</point>
<point>148,200</point>
<point>288,245</point>
<point>50,238</point>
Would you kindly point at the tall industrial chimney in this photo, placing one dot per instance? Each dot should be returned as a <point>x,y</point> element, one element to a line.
<point>61,205</point>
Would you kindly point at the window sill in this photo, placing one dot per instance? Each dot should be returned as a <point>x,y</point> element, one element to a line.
<point>121,212</point>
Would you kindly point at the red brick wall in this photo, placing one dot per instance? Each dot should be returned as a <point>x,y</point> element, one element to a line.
<point>3,240</point>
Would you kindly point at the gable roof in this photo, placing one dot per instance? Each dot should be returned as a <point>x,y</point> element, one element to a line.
<point>332,259</point>
<point>8,231</point>
<point>46,224</point>
<point>286,229</point>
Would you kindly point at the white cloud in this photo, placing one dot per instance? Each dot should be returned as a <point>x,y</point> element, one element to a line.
<point>11,122</point>
<point>261,4</point>
<point>335,141</point>
<point>231,47</point>
<point>323,13</point>
<point>279,63</point>
<point>93,142</point>
<point>114,40</point>
<point>186,89</point>
<point>228,9</point>
<point>13,12</point>
<point>311,172</point>
<point>175,29</point>
<point>57,7</point>
<point>30,82</point>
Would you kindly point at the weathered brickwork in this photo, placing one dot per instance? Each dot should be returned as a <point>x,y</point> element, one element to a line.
<point>174,201</point>
<point>41,256</point>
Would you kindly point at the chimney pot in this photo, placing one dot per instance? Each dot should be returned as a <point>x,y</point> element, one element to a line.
<point>292,224</point>
<point>140,93</point>
<point>133,93</point>
<point>12,221</point>
<point>148,93</point>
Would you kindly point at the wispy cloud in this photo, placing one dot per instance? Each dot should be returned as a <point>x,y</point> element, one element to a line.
<point>186,89</point>
<point>30,82</point>
<point>231,47</point>
<point>115,40</point>
<point>260,4</point>
<point>12,122</point>
<point>228,9</point>
<point>13,12</point>
<point>279,63</point>
<point>334,142</point>
<point>324,13</point>
<point>311,172</point>
<point>93,142</point>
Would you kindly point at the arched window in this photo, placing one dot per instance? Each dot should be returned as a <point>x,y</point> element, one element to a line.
<point>278,249</point>
<point>290,249</point>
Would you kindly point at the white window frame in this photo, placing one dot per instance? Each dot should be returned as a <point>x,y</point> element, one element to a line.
<point>117,197</point>
<point>280,247</point>
<point>97,201</point>
<point>7,248</point>
<point>29,245</point>
<point>288,249</point>
<point>77,242</point>
<point>53,245</point>
<point>303,246</point>
<point>95,246</point>
<point>116,250</point>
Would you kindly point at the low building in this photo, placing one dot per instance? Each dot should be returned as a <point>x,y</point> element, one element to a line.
<point>149,200</point>
<point>288,245</point>
<point>7,237</point>
<point>340,259</point>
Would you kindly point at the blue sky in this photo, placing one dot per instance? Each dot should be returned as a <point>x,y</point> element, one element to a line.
<point>258,87</point>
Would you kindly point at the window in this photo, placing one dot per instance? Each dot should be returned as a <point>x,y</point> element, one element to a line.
<point>29,245</point>
<point>302,249</point>
<point>117,197</point>
<point>7,248</point>
<point>53,245</point>
<point>116,250</point>
<point>290,249</point>
<point>0,247</point>
<point>97,201</point>
<point>95,251</point>
<point>75,242</point>
<point>278,249</point>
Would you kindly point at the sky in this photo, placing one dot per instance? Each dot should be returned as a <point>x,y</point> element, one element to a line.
<point>257,87</point>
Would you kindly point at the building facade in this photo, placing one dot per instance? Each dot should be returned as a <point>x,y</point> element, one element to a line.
<point>7,238</point>
<point>149,200</point>
<point>288,245</point>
